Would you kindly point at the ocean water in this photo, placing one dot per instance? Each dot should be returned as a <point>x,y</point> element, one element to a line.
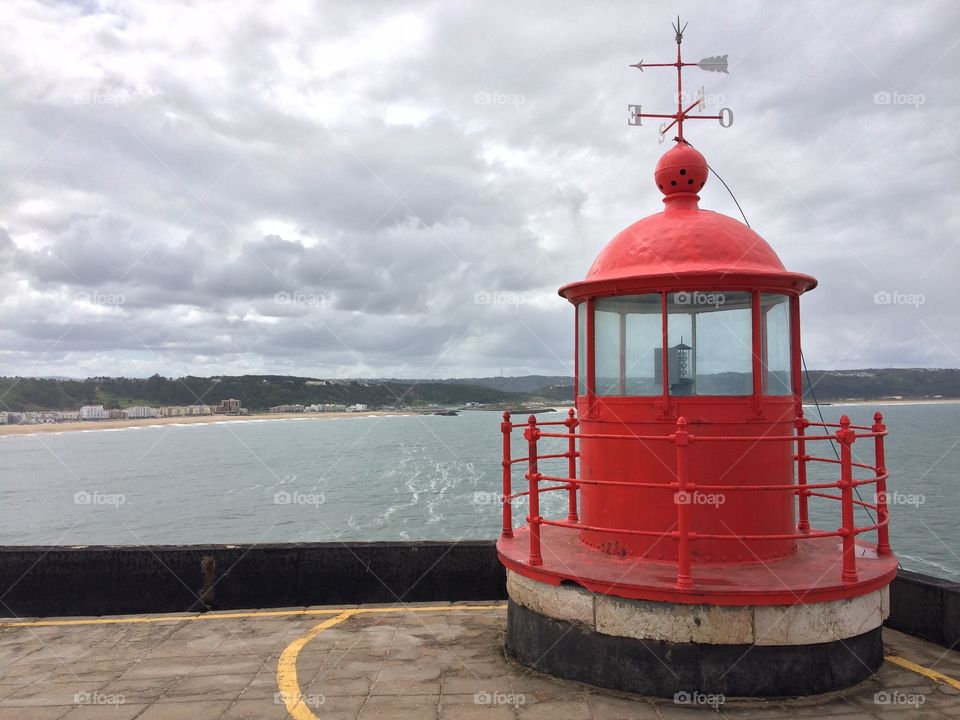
<point>381,478</point>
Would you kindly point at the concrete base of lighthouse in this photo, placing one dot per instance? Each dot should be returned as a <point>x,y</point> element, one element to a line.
<point>665,649</point>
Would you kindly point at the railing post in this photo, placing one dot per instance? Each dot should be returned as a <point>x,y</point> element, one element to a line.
<point>803,521</point>
<point>506,427</point>
<point>532,434</point>
<point>846,437</point>
<point>683,500</point>
<point>883,510</point>
<point>571,422</point>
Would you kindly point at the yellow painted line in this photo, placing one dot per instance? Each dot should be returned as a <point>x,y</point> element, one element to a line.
<point>169,618</point>
<point>287,669</point>
<point>925,671</point>
<point>237,615</point>
<point>287,680</point>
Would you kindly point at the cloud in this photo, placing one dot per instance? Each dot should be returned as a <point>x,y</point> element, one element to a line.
<point>398,190</point>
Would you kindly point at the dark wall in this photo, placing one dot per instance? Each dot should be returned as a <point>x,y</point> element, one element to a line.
<point>44,581</point>
<point>925,606</point>
<point>113,580</point>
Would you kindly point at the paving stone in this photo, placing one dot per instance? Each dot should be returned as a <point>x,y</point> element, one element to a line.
<point>610,707</point>
<point>32,713</point>
<point>253,710</point>
<point>205,709</point>
<point>126,711</point>
<point>466,707</point>
<point>574,708</point>
<point>400,707</point>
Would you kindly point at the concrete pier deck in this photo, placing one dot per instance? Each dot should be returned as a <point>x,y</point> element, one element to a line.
<point>431,660</point>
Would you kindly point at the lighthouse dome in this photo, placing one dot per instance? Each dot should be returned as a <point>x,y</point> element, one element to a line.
<point>684,244</point>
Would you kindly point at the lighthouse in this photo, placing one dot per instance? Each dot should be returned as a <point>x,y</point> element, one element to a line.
<point>686,558</point>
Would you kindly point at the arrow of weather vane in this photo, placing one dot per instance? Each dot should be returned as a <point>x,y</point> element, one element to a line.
<point>715,63</point>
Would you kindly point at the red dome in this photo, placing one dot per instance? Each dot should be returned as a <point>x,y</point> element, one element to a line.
<point>681,241</point>
<point>684,246</point>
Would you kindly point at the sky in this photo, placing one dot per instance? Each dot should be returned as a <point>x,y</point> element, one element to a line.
<point>397,189</point>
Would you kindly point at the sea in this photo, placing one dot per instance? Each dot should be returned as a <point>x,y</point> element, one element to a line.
<point>399,477</point>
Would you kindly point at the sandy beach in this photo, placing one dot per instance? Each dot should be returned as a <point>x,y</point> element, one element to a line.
<point>198,419</point>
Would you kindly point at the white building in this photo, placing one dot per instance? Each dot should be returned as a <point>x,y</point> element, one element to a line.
<point>139,412</point>
<point>93,412</point>
<point>359,407</point>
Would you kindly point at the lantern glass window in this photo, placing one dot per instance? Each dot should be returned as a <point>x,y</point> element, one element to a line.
<point>627,337</point>
<point>709,343</point>
<point>775,344</point>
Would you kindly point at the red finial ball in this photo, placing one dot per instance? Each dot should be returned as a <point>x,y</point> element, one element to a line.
<point>681,170</point>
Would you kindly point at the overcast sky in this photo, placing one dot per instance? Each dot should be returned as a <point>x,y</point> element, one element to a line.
<point>398,189</point>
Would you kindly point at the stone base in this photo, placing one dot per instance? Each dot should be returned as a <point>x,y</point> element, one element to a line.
<point>662,649</point>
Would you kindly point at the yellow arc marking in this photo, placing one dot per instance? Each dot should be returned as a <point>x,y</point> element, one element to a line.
<point>925,671</point>
<point>287,680</point>
<point>287,668</point>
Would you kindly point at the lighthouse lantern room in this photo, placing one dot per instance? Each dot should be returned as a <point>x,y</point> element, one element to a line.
<point>685,558</point>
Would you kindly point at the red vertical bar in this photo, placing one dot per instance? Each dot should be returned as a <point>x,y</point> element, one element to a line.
<point>683,500</point>
<point>591,388</point>
<point>846,436</point>
<point>532,434</point>
<point>571,423</point>
<point>801,424</point>
<point>756,343</point>
<point>679,90</point>
<point>506,427</point>
<point>623,353</point>
<point>796,359</point>
<point>883,510</point>
<point>664,355</point>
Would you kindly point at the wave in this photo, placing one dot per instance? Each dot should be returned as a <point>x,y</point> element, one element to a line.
<point>930,563</point>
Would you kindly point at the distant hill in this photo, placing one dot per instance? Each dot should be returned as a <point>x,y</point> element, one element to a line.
<point>878,383</point>
<point>256,392</point>
<point>259,392</point>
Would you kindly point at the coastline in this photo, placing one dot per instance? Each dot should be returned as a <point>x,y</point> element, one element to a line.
<point>887,401</point>
<point>123,424</point>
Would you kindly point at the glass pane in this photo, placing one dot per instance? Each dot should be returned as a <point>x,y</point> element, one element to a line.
<point>582,348</point>
<point>775,360</point>
<point>709,341</point>
<point>627,338</point>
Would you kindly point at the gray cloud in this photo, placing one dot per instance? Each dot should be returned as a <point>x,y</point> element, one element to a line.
<point>398,190</point>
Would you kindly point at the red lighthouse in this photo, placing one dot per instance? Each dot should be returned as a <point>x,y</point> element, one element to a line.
<point>685,559</point>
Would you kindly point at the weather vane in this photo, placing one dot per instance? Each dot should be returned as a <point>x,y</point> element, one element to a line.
<point>717,63</point>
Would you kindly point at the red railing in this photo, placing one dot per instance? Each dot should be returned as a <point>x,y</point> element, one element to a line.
<point>845,433</point>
